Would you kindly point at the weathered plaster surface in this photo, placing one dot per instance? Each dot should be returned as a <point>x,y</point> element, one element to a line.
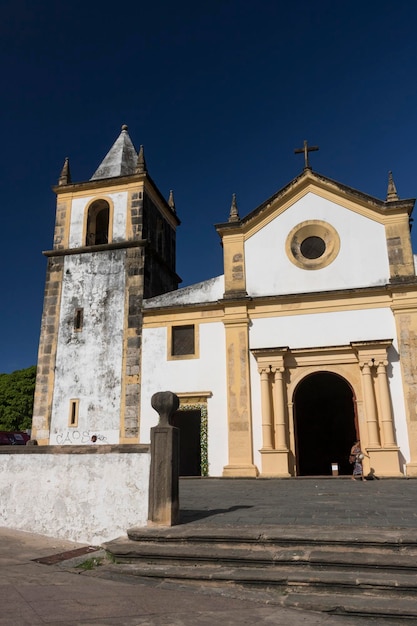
<point>208,373</point>
<point>89,362</point>
<point>362,259</point>
<point>207,291</point>
<point>91,498</point>
<point>79,207</point>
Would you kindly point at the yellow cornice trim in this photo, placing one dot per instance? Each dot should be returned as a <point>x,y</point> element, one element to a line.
<point>135,183</point>
<point>281,204</point>
<point>401,297</point>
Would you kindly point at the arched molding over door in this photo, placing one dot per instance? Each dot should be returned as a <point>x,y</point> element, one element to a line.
<point>363,365</point>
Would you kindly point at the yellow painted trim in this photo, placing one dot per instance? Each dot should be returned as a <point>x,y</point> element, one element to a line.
<point>312,228</point>
<point>193,397</point>
<point>164,318</point>
<point>74,406</point>
<point>183,357</point>
<point>281,204</point>
<point>111,217</point>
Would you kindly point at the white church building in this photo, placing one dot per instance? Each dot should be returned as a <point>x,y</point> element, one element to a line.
<point>305,343</point>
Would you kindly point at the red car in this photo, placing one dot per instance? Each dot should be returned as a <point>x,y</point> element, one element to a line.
<point>13,439</point>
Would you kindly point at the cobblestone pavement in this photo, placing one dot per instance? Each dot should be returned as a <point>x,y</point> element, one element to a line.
<point>385,503</point>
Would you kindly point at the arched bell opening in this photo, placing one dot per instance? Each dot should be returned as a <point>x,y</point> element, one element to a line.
<point>97,231</point>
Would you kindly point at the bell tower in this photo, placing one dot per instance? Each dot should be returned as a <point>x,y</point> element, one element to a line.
<point>114,244</point>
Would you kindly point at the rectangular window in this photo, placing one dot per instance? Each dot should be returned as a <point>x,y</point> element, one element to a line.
<point>183,340</point>
<point>73,413</point>
<point>78,319</point>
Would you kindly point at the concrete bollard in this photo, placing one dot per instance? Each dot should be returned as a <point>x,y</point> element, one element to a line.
<point>164,471</point>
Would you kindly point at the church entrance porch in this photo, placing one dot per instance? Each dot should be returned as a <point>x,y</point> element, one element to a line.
<point>325,424</point>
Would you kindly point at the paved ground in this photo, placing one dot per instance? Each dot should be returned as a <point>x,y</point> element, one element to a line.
<point>32,593</point>
<point>387,503</point>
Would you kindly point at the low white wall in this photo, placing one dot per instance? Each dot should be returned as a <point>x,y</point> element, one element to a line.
<point>87,494</point>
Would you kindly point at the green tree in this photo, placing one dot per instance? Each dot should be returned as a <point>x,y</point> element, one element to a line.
<point>16,399</point>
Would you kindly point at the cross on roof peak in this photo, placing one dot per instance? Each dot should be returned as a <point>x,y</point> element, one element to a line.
<point>305,150</point>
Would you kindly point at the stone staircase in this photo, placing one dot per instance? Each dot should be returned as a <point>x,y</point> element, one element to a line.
<point>367,573</point>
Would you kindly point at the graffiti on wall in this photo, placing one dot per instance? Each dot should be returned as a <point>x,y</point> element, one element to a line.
<point>77,437</point>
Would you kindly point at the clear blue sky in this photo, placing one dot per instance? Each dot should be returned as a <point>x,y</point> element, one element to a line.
<point>220,92</point>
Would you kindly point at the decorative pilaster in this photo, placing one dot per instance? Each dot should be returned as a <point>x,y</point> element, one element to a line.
<point>280,422</point>
<point>274,452</point>
<point>236,324</point>
<point>384,459</point>
<point>370,405</point>
<point>385,404</point>
<point>266,409</point>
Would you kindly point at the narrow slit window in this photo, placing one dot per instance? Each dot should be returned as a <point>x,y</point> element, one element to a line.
<point>183,340</point>
<point>73,413</point>
<point>78,319</point>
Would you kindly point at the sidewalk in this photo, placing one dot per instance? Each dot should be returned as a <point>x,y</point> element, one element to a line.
<point>60,594</point>
<point>34,594</point>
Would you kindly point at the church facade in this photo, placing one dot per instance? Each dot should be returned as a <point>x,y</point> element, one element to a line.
<point>305,343</point>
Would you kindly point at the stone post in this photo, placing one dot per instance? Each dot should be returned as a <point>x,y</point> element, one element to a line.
<point>164,474</point>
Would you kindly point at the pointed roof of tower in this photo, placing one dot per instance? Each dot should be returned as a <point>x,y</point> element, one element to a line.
<point>392,190</point>
<point>120,159</point>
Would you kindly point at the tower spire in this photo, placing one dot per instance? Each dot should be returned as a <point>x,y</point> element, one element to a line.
<point>234,214</point>
<point>141,163</point>
<point>392,190</point>
<point>171,201</point>
<point>65,176</point>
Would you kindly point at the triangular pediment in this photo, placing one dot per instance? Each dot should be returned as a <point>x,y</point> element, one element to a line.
<point>309,182</point>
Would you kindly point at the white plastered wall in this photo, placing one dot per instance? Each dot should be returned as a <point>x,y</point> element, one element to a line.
<point>86,497</point>
<point>329,329</point>
<point>207,373</point>
<point>78,208</point>
<point>89,362</point>
<point>362,259</point>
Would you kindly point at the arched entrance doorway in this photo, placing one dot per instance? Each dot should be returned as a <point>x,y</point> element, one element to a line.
<point>325,424</point>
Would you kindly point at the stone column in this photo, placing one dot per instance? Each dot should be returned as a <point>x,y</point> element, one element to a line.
<point>385,403</point>
<point>370,405</point>
<point>280,424</point>
<point>165,453</point>
<point>267,441</point>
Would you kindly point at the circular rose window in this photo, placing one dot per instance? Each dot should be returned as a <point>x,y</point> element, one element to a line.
<point>312,245</point>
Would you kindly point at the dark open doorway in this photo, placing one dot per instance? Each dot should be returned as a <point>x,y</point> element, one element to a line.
<point>189,423</point>
<point>325,424</point>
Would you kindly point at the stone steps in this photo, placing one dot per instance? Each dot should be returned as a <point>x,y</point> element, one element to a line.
<point>344,571</point>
